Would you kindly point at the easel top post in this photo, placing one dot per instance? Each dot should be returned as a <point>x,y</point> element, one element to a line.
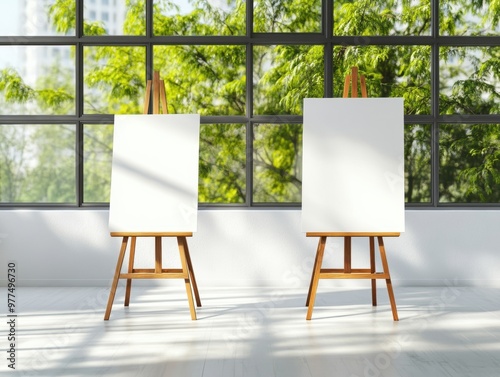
<point>351,82</point>
<point>157,86</point>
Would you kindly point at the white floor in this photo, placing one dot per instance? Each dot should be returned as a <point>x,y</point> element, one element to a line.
<point>443,331</point>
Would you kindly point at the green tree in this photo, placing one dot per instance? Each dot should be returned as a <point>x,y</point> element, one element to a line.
<point>97,156</point>
<point>14,144</point>
<point>37,163</point>
<point>212,80</point>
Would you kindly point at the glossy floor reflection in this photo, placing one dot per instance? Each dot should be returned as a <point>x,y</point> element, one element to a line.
<point>443,331</point>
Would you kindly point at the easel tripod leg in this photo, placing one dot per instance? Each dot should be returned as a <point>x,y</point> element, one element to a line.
<point>388,282</point>
<point>182,251</point>
<point>119,264</point>
<point>316,273</point>
<point>130,270</point>
<point>372,270</point>
<point>312,275</point>
<point>191,272</point>
<point>158,255</point>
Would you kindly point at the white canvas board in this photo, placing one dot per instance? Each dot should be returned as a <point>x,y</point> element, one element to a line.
<point>154,178</point>
<point>353,165</point>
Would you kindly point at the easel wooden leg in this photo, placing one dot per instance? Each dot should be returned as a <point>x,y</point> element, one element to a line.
<point>388,280</point>
<point>315,279</point>
<point>312,275</point>
<point>191,272</point>
<point>372,270</point>
<point>118,269</point>
<point>347,255</point>
<point>181,241</point>
<point>130,270</point>
<point>158,255</point>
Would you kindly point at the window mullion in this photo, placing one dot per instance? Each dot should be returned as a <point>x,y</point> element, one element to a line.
<point>249,125</point>
<point>435,103</point>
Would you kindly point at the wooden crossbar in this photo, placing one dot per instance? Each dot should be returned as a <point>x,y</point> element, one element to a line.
<point>348,272</point>
<point>186,271</point>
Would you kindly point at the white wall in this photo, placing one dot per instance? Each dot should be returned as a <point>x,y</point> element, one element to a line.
<point>249,248</point>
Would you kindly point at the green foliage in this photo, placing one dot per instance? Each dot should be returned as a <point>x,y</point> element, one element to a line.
<point>62,13</point>
<point>13,144</point>
<point>417,167</point>
<point>277,163</point>
<point>470,161</point>
<point>56,95</point>
<point>204,79</point>
<point>382,17</point>
<point>469,80</point>
<point>212,80</point>
<point>292,16</point>
<point>114,79</point>
<point>390,71</point>
<point>56,165</point>
<point>222,163</point>
<point>205,19</point>
<point>296,73</point>
<point>97,152</point>
<point>14,88</point>
<point>475,17</point>
<point>37,164</point>
<point>135,19</point>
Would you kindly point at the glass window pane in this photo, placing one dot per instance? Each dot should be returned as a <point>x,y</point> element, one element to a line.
<point>277,163</point>
<point>222,163</point>
<point>37,163</point>
<point>37,80</point>
<point>296,16</point>
<point>199,17</point>
<point>382,17</point>
<point>459,17</point>
<point>390,71</point>
<point>207,79</point>
<point>122,17</point>
<point>284,76</point>
<point>417,166</point>
<point>37,17</point>
<point>97,156</point>
<point>469,170</point>
<point>114,79</point>
<point>469,80</point>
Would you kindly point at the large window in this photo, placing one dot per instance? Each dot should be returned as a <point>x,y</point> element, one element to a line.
<point>68,66</point>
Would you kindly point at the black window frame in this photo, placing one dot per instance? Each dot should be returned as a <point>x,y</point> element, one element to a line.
<point>324,38</point>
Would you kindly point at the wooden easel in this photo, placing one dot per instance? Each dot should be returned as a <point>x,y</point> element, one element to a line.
<point>157,86</point>
<point>347,272</point>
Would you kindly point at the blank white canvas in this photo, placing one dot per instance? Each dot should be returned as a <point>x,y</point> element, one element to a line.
<point>154,178</point>
<point>353,166</point>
